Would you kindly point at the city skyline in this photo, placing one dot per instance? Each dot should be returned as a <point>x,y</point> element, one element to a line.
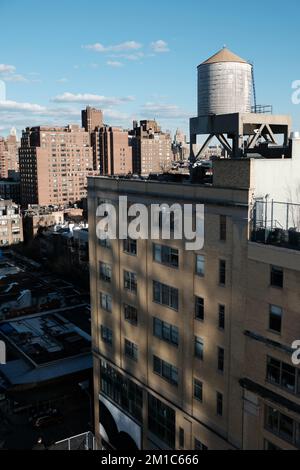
<point>112,61</point>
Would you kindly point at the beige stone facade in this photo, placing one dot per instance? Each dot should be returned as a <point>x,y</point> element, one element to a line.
<point>204,368</point>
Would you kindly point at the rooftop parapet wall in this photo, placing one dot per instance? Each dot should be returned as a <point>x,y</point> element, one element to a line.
<point>232,174</point>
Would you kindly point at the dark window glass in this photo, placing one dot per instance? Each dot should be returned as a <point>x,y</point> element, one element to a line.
<point>165,370</point>
<point>130,281</point>
<point>200,265</point>
<point>122,391</point>
<point>166,255</point>
<point>277,277</point>
<point>222,273</point>
<point>223,228</point>
<point>165,331</point>
<point>198,390</point>
<point>130,246</point>
<point>106,335</point>
<point>181,438</point>
<point>282,375</point>
<point>161,421</point>
<point>131,314</point>
<point>105,243</point>
<point>219,404</point>
<point>165,295</point>
<point>131,350</point>
<point>105,272</point>
<point>199,307</point>
<point>106,302</point>
<point>221,317</point>
<point>199,446</point>
<point>199,348</point>
<point>282,425</point>
<point>221,359</point>
<point>269,446</point>
<point>276,314</point>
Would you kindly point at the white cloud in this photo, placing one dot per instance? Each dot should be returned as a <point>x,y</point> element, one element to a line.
<point>124,46</point>
<point>8,74</point>
<point>15,106</point>
<point>7,68</point>
<point>62,80</point>
<point>14,77</point>
<point>135,56</point>
<point>114,63</point>
<point>164,111</point>
<point>160,46</point>
<point>84,98</point>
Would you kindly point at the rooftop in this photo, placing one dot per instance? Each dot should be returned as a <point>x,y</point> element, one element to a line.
<point>224,55</point>
<point>25,289</point>
<point>49,337</point>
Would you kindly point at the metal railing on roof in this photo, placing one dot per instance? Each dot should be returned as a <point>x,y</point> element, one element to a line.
<point>276,223</point>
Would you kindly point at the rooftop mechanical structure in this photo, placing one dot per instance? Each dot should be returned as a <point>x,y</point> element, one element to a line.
<point>225,112</point>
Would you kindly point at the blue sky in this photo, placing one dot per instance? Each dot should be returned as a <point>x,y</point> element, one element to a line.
<point>137,59</point>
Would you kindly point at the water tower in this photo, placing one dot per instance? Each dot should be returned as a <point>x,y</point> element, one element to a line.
<point>224,85</point>
<point>225,112</point>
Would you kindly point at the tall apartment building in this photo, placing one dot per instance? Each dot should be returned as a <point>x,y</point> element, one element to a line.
<point>92,118</point>
<point>9,158</point>
<point>54,165</point>
<point>151,148</point>
<point>11,231</point>
<point>193,350</point>
<point>115,153</point>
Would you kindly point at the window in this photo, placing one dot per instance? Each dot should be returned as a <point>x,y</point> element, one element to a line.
<point>199,446</point>
<point>165,331</point>
<point>199,308</point>
<point>130,246</point>
<point>198,390</point>
<point>165,370</point>
<point>105,272</point>
<point>219,404</point>
<point>106,302</point>
<point>105,243</point>
<point>276,314</point>
<point>283,375</point>
<point>130,281</point>
<point>277,277</point>
<point>282,426</point>
<point>166,255</point>
<point>199,348</point>
<point>200,265</point>
<point>222,317</point>
<point>222,273</point>
<point>131,314</point>
<point>122,391</point>
<point>221,359</point>
<point>106,335</point>
<point>181,438</point>
<point>165,295</point>
<point>269,446</point>
<point>223,228</point>
<point>131,350</point>
<point>161,421</point>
